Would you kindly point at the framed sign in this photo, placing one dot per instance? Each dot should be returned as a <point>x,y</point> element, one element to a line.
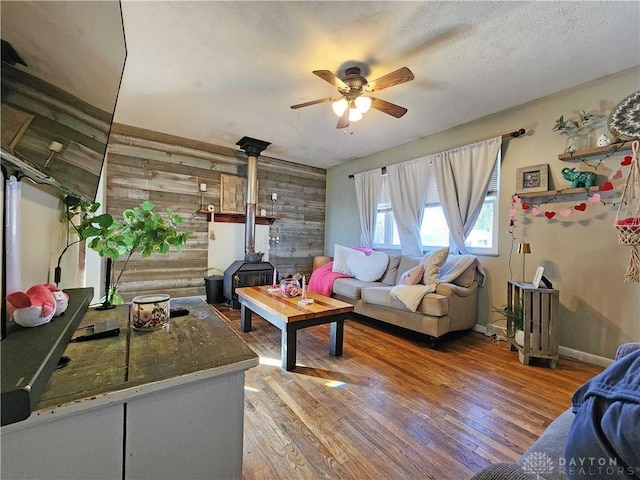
<point>233,194</point>
<point>538,276</point>
<point>532,179</point>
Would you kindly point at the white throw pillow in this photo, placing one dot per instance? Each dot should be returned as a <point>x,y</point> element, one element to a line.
<point>340,255</point>
<point>432,261</point>
<point>367,268</point>
<point>413,276</point>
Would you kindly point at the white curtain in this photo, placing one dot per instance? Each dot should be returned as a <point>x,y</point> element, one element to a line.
<point>368,188</point>
<point>462,176</point>
<point>408,190</point>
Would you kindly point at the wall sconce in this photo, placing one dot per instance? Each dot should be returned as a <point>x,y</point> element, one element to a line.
<point>54,147</point>
<point>524,249</point>
<point>203,189</point>
<point>274,199</point>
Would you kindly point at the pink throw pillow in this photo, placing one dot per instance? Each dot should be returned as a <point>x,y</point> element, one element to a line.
<point>413,276</point>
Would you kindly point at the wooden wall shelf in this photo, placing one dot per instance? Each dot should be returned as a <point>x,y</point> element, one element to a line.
<point>592,152</point>
<point>234,217</point>
<point>564,191</point>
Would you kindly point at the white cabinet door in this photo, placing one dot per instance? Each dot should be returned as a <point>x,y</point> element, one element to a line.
<point>190,431</point>
<point>79,446</point>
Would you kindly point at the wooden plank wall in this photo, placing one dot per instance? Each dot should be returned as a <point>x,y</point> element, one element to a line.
<point>167,170</point>
<point>54,114</point>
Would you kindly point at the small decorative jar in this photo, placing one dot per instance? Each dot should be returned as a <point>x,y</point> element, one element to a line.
<point>151,312</point>
<point>289,287</point>
<point>575,143</point>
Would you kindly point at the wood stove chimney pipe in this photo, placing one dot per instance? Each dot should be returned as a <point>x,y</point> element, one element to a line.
<point>252,148</point>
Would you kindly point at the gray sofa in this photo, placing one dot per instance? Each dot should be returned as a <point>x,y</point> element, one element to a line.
<point>452,307</point>
<point>551,445</point>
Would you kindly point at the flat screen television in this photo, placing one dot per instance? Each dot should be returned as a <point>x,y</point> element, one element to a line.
<point>62,63</point>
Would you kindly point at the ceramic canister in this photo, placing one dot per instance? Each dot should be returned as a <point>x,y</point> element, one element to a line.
<point>151,311</point>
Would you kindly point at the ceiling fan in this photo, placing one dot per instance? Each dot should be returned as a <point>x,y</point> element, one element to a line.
<point>352,87</point>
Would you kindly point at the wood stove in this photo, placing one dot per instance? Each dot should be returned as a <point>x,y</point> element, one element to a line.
<point>245,274</point>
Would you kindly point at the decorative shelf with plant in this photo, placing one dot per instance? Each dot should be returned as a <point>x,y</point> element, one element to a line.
<point>577,131</point>
<point>595,151</point>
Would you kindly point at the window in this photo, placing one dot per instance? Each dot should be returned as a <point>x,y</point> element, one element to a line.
<point>434,232</point>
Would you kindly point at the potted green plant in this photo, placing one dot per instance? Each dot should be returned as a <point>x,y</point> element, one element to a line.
<point>576,130</point>
<point>514,317</point>
<point>141,230</point>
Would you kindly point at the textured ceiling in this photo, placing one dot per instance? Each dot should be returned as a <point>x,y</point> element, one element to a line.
<point>217,71</point>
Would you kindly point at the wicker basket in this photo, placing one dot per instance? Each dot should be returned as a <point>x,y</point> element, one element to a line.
<point>627,222</point>
<point>629,234</point>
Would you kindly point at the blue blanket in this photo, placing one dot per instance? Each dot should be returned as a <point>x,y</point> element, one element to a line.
<point>604,439</point>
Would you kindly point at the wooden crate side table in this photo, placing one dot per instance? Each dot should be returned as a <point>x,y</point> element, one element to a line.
<point>539,308</point>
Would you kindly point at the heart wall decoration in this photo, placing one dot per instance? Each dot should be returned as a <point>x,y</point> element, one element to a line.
<point>592,198</point>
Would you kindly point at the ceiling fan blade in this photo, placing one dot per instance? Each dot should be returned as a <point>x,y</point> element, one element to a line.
<point>327,76</point>
<point>388,108</point>
<point>313,102</point>
<point>396,77</point>
<point>343,121</point>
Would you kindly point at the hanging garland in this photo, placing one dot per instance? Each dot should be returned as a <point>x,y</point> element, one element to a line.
<point>536,209</point>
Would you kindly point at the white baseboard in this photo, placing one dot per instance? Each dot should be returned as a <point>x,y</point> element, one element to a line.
<point>585,357</point>
<point>479,328</point>
<point>491,330</point>
<point>564,351</point>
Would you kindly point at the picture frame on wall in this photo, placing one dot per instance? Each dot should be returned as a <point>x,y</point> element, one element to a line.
<point>532,179</point>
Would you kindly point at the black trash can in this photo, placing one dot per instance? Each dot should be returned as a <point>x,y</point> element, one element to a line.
<point>213,285</point>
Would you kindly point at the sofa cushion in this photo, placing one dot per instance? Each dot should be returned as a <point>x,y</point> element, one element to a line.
<point>407,262</point>
<point>504,471</point>
<point>391,274</point>
<point>435,305</point>
<point>412,276</point>
<point>432,261</point>
<point>351,287</point>
<point>340,256</point>
<point>368,268</point>
<point>550,445</point>
<point>432,304</point>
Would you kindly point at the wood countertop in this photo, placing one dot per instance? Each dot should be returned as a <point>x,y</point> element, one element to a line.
<point>103,371</point>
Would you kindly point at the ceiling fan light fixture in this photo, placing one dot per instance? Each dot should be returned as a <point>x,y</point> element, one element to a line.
<point>354,115</point>
<point>363,104</point>
<point>339,106</point>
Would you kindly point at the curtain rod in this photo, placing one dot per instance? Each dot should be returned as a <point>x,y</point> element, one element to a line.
<point>514,134</point>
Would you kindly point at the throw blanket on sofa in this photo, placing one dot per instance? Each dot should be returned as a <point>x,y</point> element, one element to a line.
<point>457,264</point>
<point>411,295</point>
<point>321,280</point>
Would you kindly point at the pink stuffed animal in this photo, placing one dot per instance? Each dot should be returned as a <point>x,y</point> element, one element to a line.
<point>38,305</point>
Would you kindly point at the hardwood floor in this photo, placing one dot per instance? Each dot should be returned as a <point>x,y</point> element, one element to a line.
<point>391,407</point>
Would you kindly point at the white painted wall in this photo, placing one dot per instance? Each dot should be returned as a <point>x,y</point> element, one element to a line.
<point>43,238</point>
<point>581,255</point>
<point>228,245</point>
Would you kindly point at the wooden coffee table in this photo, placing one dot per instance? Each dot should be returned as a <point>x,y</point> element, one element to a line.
<point>289,317</point>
